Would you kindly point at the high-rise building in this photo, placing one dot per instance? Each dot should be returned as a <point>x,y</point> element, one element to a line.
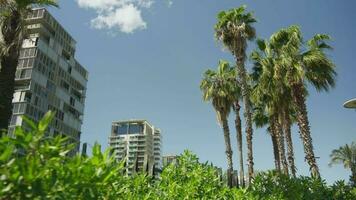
<point>138,143</point>
<point>157,151</point>
<point>169,159</point>
<point>48,77</point>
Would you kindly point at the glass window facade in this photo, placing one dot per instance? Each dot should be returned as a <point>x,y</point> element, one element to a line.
<point>135,128</point>
<point>128,128</point>
<point>122,129</point>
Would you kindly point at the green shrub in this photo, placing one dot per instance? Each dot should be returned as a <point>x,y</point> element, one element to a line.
<point>36,167</point>
<point>273,185</point>
<point>33,166</point>
<point>191,180</point>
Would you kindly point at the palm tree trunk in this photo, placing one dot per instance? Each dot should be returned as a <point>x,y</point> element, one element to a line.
<point>8,65</point>
<point>280,142</point>
<point>241,71</point>
<point>228,150</point>
<point>238,127</point>
<point>304,129</point>
<point>353,176</point>
<point>290,151</point>
<point>277,160</point>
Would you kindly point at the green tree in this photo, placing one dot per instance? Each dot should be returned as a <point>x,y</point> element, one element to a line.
<point>238,127</point>
<point>190,179</point>
<point>13,31</point>
<point>33,166</point>
<point>234,28</point>
<point>271,92</point>
<point>346,155</point>
<point>217,87</point>
<point>301,63</point>
<point>261,119</point>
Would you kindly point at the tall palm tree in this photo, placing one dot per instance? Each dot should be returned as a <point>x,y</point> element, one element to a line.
<point>287,121</point>
<point>302,63</point>
<point>346,155</point>
<point>234,28</point>
<point>12,25</point>
<point>261,119</point>
<point>238,126</point>
<point>269,93</point>
<point>217,87</point>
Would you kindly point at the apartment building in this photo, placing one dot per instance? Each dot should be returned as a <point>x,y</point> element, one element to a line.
<point>138,143</point>
<point>169,159</point>
<point>157,151</point>
<point>48,77</point>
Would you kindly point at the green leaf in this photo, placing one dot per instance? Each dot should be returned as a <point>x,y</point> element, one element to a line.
<point>29,122</point>
<point>45,121</point>
<point>7,153</point>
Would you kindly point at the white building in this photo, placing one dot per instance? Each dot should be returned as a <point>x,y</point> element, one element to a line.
<point>139,143</point>
<point>48,77</point>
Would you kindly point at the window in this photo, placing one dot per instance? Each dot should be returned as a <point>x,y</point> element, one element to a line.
<point>65,85</point>
<point>20,64</point>
<point>15,108</point>
<point>122,129</point>
<point>135,128</point>
<point>19,108</point>
<point>72,101</point>
<point>50,86</point>
<point>13,120</point>
<point>28,96</point>
<point>28,52</point>
<point>30,62</point>
<point>36,101</point>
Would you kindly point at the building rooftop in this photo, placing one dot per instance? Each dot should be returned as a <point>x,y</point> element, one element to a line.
<point>350,103</point>
<point>132,121</point>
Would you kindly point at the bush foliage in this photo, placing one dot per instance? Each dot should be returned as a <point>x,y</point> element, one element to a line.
<point>33,166</point>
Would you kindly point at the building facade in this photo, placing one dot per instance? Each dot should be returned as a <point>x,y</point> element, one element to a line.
<point>48,77</point>
<point>138,143</point>
<point>169,159</point>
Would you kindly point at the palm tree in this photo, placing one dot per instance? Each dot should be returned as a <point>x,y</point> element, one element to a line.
<point>270,94</point>
<point>234,28</point>
<point>261,119</point>
<point>12,25</point>
<point>217,87</point>
<point>346,155</point>
<point>238,126</point>
<point>302,63</point>
<point>287,121</point>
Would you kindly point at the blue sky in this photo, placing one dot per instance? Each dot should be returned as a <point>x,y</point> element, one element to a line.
<point>146,61</point>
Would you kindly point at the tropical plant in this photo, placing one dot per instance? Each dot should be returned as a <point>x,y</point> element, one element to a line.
<point>238,127</point>
<point>301,63</point>
<point>234,28</point>
<point>33,166</point>
<point>191,179</point>
<point>13,31</point>
<point>218,88</point>
<point>261,119</point>
<point>346,155</point>
<point>272,185</point>
<point>273,97</point>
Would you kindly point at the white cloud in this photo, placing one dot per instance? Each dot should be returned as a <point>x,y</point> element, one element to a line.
<point>126,18</point>
<point>169,3</point>
<point>122,15</point>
